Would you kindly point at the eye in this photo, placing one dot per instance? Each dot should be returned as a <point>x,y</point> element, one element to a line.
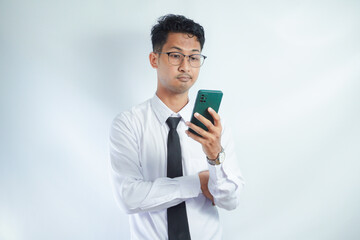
<point>195,58</point>
<point>175,55</point>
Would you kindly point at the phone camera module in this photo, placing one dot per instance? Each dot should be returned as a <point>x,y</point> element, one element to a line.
<point>202,98</point>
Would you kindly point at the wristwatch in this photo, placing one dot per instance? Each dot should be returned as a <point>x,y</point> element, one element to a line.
<point>220,158</point>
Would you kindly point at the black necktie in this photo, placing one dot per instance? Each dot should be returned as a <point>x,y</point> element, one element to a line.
<point>178,227</point>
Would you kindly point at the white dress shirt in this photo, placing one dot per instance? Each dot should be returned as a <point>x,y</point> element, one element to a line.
<point>138,151</point>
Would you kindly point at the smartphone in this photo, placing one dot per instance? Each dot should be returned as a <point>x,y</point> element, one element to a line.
<point>204,100</point>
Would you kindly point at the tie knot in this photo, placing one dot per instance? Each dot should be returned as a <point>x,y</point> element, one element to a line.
<point>172,122</point>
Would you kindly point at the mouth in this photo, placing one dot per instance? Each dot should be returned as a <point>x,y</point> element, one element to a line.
<point>184,78</point>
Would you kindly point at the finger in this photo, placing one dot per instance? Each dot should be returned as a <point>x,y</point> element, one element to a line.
<point>198,129</point>
<point>195,137</point>
<point>204,120</point>
<point>212,199</point>
<point>215,116</point>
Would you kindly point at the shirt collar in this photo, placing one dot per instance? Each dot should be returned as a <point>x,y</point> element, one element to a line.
<point>162,112</point>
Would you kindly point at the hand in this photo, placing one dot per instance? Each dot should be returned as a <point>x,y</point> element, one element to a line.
<point>210,140</point>
<point>204,179</point>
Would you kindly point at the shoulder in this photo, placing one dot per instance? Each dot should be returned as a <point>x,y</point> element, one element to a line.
<point>132,118</point>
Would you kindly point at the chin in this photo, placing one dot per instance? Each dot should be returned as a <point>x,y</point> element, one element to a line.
<point>177,87</point>
<point>180,89</point>
<point>184,87</point>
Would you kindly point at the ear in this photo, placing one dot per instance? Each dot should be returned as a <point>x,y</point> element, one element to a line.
<point>153,57</point>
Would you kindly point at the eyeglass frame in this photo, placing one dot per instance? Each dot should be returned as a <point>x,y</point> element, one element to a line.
<point>168,53</point>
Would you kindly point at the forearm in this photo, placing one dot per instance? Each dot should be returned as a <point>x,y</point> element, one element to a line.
<point>136,195</point>
<point>225,187</point>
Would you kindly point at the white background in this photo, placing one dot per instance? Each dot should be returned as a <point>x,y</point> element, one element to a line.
<point>290,75</point>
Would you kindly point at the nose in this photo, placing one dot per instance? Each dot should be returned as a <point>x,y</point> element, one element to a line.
<point>185,65</point>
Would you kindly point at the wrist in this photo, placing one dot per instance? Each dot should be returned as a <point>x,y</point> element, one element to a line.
<point>218,160</point>
<point>215,155</point>
<point>212,157</point>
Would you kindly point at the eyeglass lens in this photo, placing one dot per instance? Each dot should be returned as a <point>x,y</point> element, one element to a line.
<point>195,60</point>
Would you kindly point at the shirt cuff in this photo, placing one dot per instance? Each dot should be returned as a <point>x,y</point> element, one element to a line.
<point>217,173</point>
<point>189,186</point>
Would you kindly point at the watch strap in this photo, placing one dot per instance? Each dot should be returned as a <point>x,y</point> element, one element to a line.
<point>215,161</point>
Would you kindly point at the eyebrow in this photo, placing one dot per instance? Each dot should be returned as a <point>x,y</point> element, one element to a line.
<point>179,49</point>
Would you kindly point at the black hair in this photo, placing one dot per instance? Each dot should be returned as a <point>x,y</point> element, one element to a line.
<point>171,23</point>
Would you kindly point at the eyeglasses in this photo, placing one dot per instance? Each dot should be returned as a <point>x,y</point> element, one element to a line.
<point>176,58</point>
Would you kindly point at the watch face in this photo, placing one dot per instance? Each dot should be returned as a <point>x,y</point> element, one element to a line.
<point>221,157</point>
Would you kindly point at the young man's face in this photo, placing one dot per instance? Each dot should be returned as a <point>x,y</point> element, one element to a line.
<point>176,79</point>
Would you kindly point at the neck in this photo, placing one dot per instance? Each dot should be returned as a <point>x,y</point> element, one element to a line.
<point>173,101</point>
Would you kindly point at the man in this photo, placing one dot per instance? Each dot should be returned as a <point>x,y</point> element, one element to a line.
<point>169,180</point>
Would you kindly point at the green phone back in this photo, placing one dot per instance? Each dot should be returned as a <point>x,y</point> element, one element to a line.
<point>204,100</point>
